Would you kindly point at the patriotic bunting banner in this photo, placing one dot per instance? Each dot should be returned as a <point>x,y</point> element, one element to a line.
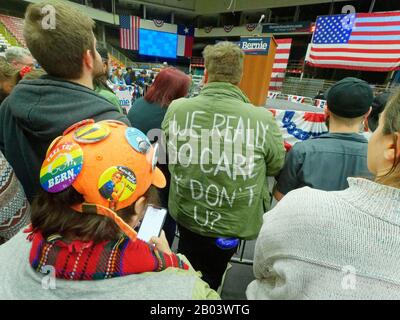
<point>251,26</point>
<point>280,64</point>
<point>158,23</point>
<point>273,94</point>
<point>360,41</point>
<point>228,28</point>
<point>298,126</point>
<point>298,99</point>
<point>319,103</point>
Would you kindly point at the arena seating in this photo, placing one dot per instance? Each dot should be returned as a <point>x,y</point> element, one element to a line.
<point>14,26</point>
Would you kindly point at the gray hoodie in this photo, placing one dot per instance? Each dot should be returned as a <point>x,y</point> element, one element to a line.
<point>36,112</point>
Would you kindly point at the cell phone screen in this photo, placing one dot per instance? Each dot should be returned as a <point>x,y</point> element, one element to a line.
<point>152,223</point>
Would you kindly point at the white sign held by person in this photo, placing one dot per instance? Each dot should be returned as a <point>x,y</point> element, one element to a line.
<point>124,94</point>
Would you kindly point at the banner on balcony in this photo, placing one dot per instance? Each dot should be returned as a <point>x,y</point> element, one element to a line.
<point>251,26</point>
<point>158,23</point>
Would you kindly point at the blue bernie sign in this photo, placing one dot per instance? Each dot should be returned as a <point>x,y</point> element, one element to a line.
<point>256,46</point>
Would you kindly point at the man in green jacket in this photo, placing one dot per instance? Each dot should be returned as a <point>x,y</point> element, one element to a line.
<point>221,149</point>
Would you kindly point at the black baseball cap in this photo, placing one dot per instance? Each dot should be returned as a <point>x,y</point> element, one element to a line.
<point>349,98</point>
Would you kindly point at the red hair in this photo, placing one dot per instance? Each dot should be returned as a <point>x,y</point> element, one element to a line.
<point>170,84</point>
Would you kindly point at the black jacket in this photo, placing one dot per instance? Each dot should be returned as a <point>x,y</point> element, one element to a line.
<point>36,112</point>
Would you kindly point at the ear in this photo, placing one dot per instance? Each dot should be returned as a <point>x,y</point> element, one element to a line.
<point>392,151</point>
<point>365,120</point>
<point>139,207</point>
<point>326,111</point>
<point>88,60</point>
<point>205,76</point>
<point>397,145</point>
<point>368,113</point>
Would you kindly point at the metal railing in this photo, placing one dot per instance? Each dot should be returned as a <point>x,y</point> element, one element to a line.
<point>118,55</point>
<point>308,87</point>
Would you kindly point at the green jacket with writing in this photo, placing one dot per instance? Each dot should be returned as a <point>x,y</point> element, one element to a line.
<point>221,149</point>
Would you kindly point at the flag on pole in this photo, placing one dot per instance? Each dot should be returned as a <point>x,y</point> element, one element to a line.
<point>359,41</point>
<point>129,32</point>
<point>185,41</point>
<point>280,64</point>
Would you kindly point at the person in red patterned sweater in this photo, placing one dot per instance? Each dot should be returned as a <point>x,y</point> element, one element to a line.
<point>97,180</point>
<point>95,172</point>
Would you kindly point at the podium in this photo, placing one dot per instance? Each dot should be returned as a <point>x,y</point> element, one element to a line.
<point>257,67</point>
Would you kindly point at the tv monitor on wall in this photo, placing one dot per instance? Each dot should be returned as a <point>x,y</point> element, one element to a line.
<point>157,43</point>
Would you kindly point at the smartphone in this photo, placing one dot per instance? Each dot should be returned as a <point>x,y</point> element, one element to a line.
<point>152,223</point>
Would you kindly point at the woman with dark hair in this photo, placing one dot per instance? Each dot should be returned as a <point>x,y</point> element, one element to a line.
<point>147,114</point>
<point>94,196</point>
<point>101,85</point>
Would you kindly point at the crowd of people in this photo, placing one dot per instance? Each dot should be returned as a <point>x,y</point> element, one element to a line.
<point>77,175</point>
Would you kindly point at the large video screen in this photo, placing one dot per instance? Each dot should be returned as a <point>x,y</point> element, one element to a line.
<point>157,44</point>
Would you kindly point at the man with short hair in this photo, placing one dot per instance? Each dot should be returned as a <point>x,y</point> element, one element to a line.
<point>19,57</point>
<point>221,149</point>
<point>327,161</point>
<point>37,111</point>
<point>129,76</point>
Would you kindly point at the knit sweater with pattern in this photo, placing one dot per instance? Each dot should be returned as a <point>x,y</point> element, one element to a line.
<point>19,281</point>
<point>330,245</point>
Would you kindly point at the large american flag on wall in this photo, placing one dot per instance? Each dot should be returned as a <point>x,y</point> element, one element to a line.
<point>362,41</point>
<point>129,32</point>
<point>280,64</point>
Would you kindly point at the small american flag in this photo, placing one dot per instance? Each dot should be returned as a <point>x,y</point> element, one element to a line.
<point>129,32</point>
<point>280,64</point>
<point>362,41</point>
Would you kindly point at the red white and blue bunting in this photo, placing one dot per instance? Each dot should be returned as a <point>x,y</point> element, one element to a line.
<point>158,23</point>
<point>228,28</point>
<point>298,126</point>
<point>251,26</point>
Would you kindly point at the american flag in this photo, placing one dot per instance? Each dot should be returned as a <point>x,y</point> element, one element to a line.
<point>129,32</point>
<point>280,64</point>
<point>362,41</point>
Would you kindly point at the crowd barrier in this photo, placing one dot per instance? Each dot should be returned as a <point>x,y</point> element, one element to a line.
<point>320,103</point>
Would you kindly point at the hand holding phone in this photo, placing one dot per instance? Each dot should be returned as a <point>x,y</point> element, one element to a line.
<point>152,223</point>
<point>161,243</point>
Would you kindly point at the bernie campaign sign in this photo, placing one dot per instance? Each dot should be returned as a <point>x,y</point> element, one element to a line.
<point>256,46</point>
